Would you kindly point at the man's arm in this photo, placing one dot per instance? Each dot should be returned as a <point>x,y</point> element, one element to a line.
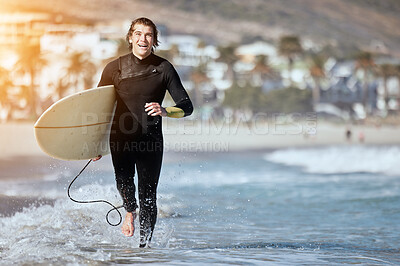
<point>184,106</point>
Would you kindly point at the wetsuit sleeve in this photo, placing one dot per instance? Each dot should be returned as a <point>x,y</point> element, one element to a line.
<point>178,94</point>
<point>108,73</point>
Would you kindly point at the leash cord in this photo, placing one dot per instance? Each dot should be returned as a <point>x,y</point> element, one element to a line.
<point>95,201</point>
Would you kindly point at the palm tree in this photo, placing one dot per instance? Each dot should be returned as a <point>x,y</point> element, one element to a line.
<point>317,72</point>
<point>61,87</point>
<point>199,77</point>
<point>365,62</point>
<point>262,69</point>
<point>81,70</point>
<point>30,62</point>
<point>5,85</point>
<point>227,55</point>
<point>290,47</point>
<point>397,69</point>
<point>245,98</point>
<point>386,71</point>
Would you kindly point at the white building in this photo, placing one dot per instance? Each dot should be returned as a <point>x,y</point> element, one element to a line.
<point>249,52</point>
<point>58,42</point>
<point>190,51</point>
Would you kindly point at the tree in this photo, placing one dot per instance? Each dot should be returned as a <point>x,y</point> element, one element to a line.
<point>30,62</point>
<point>199,77</point>
<point>245,98</point>
<point>386,71</point>
<point>398,78</point>
<point>228,56</point>
<point>365,62</point>
<point>317,72</point>
<point>263,75</point>
<point>290,47</point>
<point>81,70</point>
<point>262,67</point>
<point>288,100</point>
<point>61,87</point>
<point>5,86</point>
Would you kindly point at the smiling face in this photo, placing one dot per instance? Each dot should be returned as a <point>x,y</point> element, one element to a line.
<point>142,40</point>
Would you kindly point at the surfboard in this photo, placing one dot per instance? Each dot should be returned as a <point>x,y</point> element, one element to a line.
<point>77,127</point>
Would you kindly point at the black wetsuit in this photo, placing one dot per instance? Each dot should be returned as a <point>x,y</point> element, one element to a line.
<point>136,138</point>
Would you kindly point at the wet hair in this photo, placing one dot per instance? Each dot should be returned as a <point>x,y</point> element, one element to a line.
<point>146,22</point>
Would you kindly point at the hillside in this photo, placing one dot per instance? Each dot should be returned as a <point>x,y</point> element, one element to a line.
<point>340,22</point>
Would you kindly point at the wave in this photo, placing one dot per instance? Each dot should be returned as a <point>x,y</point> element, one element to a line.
<point>341,159</point>
<point>74,232</point>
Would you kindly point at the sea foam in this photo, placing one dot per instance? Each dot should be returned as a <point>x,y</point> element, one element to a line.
<point>341,159</point>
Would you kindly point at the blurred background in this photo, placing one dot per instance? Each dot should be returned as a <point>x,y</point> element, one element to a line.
<point>333,63</point>
<point>300,89</point>
<point>337,58</point>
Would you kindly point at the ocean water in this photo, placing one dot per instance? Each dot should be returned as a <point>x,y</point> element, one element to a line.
<point>312,206</point>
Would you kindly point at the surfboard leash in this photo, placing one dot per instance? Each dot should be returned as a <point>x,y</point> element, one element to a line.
<point>95,201</point>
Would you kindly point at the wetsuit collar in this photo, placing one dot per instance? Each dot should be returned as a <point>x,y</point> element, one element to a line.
<point>145,61</point>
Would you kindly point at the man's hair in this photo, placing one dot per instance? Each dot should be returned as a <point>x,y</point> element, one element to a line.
<point>146,22</point>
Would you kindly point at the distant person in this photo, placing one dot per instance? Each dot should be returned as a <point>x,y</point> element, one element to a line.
<point>361,137</point>
<point>141,80</point>
<point>348,134</point>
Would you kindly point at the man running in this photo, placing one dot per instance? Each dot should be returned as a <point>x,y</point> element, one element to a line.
<point>141,80</point>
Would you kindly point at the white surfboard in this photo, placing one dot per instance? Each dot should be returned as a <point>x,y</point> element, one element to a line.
<point>77,127</point>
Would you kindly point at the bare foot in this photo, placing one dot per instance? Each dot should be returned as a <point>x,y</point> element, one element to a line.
<point>128,227</point>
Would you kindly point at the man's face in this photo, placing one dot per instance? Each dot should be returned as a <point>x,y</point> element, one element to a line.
<point>142,40</point>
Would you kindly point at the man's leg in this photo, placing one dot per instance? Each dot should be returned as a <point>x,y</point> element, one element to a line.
<point>124,168</point>
<point>148,167</point>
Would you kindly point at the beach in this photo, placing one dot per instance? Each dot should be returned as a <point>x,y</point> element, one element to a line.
<point>17,140</point>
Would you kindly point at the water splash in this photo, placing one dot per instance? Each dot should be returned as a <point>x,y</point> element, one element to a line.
<point>70,232</point>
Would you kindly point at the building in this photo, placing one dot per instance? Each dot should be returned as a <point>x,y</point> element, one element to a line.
<point>17,28</point>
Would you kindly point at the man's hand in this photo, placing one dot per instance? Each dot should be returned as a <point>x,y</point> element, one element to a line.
<point>97,158</point>
<point>155,109</point>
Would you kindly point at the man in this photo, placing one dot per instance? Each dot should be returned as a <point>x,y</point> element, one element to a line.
<point>141,80</point>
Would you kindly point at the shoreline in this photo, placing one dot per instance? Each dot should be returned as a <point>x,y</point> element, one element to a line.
<point>21,157</point>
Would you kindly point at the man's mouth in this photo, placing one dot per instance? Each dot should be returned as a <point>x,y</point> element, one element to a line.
<point>143,45</point>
